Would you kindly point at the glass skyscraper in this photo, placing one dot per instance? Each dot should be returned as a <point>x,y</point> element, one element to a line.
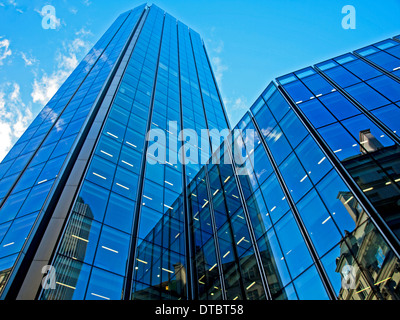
<point>312,211</point>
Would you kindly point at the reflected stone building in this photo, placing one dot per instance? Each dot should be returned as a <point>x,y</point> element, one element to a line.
<point>311,211</point>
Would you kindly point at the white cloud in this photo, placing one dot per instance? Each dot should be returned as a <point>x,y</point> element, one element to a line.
<point>5,50</point>
<point>15,116</point>
<point>83,32</point>
<point>47,85</point>
<point>29,61</point>
<point>73,10</point>
<point>236,104</point>
<point>15,94</point>
<point>219,68</point>
<point>219,48</point>
<point>6,139</point>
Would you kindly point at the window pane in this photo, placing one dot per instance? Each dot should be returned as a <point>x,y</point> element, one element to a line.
<point>317,113</point>
<point>274,198</point>
<point>101,172</point>
<point>293,129</point>
<point>318,222</point>
<point>112,250</point>
<point>298,91</point>
<point>16,235</point>
<point>72,279</point>
<point>80,238</point>
<point>342,76</point>
<point>294,249</point>
<point>104,286</point>
<point>278,144</point>
<point>340,141</point>
<point>313,160</point>
<point>367,96</point>
<point>339,201</point>
<point>35,199</point>
<point>386,86</point>
<point>12,206</point>
<point>310,287</point>
<point>362,70</point>
<point>339,105</point>
<point>274,262</point>
<point>296,179</point>
<point>317,84</point>
<point>120,213</point>
<point>360,124</point>
<point>390,116</point>
<point>125,183</point>
<point>278,105</point>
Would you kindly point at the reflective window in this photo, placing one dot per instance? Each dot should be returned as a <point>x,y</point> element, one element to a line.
<point>262,166</point>
<point>389,115</point>
<point>367,96</point>
<point>104,286</point>
<point>120,213</point>
<point>101,172</point>
<point>298,91</point>
<point>386,86</point>
<point>340,202</point>
<point>317,84</point>
<point>362,70</point>
<point>316,113</point>
<point>296,179</point>
<point>340,141</point>
<point>35,199</point>
<point>293,128</point>
<point>278,105</point>
<point>72,279</point>
<point>81,237</point>
<point>12,206</point>
<point>112,250</point>
<point>125,183</point>
<point>274,198</point>
<point>318,222</point>
<point>340,107</point>
<point>385,60</point>
<point>341,76</point>
<point>313,160</point>
<point>278,144</point>
<point>309,286</point>
<point>16,235</point>
<point>294,249</point>
<point>360,124</point>
<point>274,262</point>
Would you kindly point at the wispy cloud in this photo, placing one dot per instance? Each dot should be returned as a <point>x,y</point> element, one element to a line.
<point>237,104</point>
<point>5,50</point>
<point>29,61</point>
<point>15,116</point>
<point>45,86</point>
<point>73,10</point>
<point>219,68</point>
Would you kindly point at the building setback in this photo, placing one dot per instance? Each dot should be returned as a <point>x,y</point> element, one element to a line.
<point>312,212</point>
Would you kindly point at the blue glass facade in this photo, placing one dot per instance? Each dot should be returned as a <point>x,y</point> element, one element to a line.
<point>311,213</point>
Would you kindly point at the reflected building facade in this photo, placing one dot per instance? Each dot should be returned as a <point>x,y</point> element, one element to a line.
<point>312,211</point>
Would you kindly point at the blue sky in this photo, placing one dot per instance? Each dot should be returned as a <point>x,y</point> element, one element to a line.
<point>249,44</point>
